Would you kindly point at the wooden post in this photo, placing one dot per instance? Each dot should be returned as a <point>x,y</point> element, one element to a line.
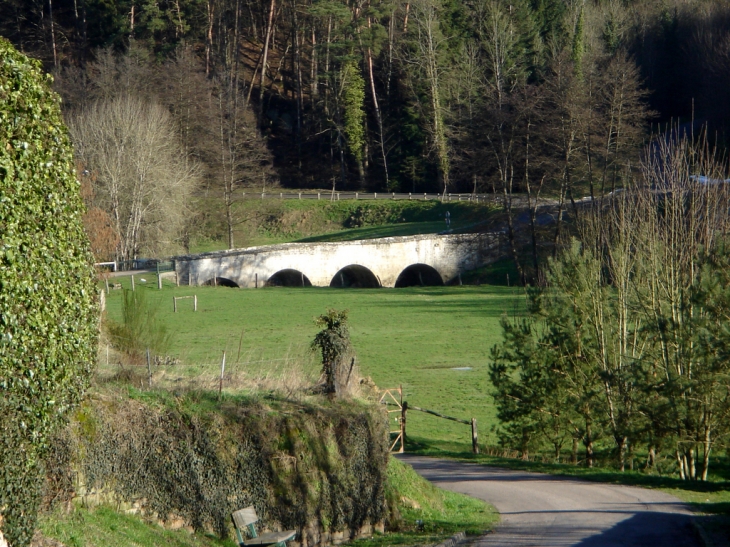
<point>177,279</point>
<point>132,283</point>
<point>106,282</point>
<point>149,368</point>
<point>256,281</point>
<point>474,443</point>
<point>195,302</point>
<point>404,410</point>
<point>174,304</point>
<point>159,278</point>
<point>223,369</point>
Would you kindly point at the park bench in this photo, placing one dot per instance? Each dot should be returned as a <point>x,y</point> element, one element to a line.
<point>245,519</point>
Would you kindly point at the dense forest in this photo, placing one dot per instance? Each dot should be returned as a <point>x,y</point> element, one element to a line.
<point>545,97</point>
<point>398,95</point>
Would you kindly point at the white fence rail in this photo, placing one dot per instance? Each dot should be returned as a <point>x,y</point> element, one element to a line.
<point>337,196</point>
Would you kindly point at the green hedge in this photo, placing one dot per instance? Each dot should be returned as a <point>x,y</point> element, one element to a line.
<point>48,311</point>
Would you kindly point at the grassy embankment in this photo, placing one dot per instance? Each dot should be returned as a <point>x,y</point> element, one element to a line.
<point>271,221</point>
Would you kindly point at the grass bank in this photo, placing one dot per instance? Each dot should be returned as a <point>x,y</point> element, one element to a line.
<point>272,221</point>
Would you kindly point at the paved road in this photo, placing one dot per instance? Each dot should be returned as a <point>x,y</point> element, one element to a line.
<point>548,511</point>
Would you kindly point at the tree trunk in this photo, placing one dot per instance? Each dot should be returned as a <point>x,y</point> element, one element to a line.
<point>264,59</point>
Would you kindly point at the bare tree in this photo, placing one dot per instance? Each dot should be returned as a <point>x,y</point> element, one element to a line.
<point>423,54</point>
<point>143,179</point>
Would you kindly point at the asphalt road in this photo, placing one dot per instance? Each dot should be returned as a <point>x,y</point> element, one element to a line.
<point>548,511</point>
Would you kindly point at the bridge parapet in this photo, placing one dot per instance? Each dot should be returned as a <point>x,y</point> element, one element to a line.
<point>383,262</point>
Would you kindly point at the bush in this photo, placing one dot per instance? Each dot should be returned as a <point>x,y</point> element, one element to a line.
<point>140,329</point>
<point>48,311</point>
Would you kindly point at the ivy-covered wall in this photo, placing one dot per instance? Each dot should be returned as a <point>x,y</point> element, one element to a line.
<point>319,469</point>
<point>48,311</point>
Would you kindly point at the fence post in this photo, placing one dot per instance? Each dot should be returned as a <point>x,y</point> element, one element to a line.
<point>149,369</point>
<point>195,302</point>
<point>159,278</point>
<point>356,195</point>
<point>318,195</point>
<point>132,283</point>
<point>404,410</point>
<point>106,282</point>
<point>474,443</point>
<point>256,281</point>
<point>300,195</point>
<point>174,304</point>
<point>223,368</point>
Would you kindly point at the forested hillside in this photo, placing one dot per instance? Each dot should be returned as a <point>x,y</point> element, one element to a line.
<point>539,96</point>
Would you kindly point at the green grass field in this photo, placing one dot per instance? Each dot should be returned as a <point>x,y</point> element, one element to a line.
<point>414,337</point>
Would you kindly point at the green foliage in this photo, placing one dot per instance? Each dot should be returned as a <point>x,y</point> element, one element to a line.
<point>353,99</point>
<point>333,341</point>
<point>140,328</point>
<point>631,339</point>
<point>48,311</point>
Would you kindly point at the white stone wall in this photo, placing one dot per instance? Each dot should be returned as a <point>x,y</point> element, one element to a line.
<point>320,262</point>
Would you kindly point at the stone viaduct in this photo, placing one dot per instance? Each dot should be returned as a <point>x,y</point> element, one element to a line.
<point>370,263</point>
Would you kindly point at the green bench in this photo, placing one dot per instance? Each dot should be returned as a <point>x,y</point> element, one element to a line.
<point>245,519</point>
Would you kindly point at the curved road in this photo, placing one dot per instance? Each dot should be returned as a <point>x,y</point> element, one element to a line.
<point>549,511</point>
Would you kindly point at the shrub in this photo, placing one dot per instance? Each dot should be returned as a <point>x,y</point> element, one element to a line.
<point>139,330</point>
<point>48,311</point>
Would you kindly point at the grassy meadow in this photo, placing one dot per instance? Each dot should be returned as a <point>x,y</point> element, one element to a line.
<point>414,337</point>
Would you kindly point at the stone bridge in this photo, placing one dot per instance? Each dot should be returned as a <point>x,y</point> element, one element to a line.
<point>369,263</point>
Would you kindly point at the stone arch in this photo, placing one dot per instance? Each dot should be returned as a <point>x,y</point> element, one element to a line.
<point>288,278</point>
<point>221,282</point>
<point>419,275</point>
<point>355,276</point>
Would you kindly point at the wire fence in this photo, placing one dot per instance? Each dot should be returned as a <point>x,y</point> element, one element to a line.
<point>341,196</point>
